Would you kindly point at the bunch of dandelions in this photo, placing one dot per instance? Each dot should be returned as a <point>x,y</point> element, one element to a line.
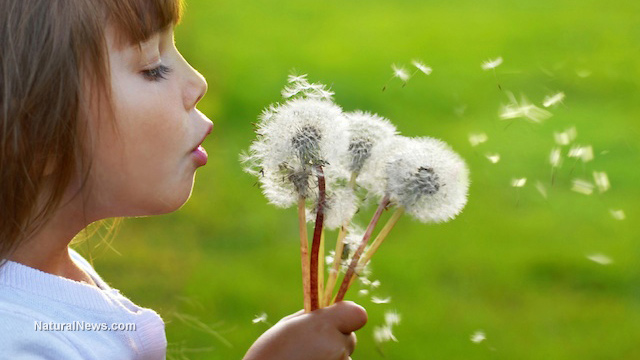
<point>310,153</point>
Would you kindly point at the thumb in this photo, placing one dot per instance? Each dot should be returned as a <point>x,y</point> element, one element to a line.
<point>347,316</point>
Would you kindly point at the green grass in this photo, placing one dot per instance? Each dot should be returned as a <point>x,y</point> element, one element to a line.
<point>513,264</point>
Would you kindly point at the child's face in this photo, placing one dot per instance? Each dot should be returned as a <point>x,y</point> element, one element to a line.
<point>146,164</point>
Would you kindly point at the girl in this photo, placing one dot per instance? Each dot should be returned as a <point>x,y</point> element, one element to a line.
<point>98,120</point>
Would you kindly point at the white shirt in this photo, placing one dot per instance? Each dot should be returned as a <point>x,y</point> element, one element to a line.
<point>45,316</point>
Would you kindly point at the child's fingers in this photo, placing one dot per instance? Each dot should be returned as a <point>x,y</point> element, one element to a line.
<point>347,316</point>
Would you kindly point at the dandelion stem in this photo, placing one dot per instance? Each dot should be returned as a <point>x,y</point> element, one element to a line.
<point>337,258</point>
<point>315,245</point>
<point>304,254</point>
<point>354,262</point>
<point>321,271</point>
<point>381,236</point>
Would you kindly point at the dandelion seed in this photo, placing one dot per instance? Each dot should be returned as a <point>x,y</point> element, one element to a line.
<point>565,137</point>
<point>541,189</point>
<point>377,300</point>
<point>494,158</point>
<point>476,139</point>
<point>422,67</point>
<point>383,334</point>
<point>300,86</point>
<point>392,318</point>
<point>583,73</point>
<point>375,284</point>
<point>602,181</point>
<point>492,63</point>
<point>523,109</point>
<point>426,178</point>
<point>600,259</point>
<point>478,337</point>
<point>585,153</point>
<point>617,214</point>
<point>582,187</point>
<point>400,72</point>
<point>363,292</point>
<point>555,158</point>
<point>518,182</point>
<point>553,99</point>
<point>262,318</point>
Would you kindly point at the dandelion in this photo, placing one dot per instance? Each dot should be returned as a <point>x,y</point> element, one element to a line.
<point>601,180</point>
<point>493,157</point>
<point>476,139</point>
<point>377,300</point>
<point>565,137</point>
<point>422,67</point>
<point>492,63</point>
<point>582,186</point>
<point>523,109</point>
<point>617,214</point>
<point>518,182</point>
<point>368,134</point>
<point>553,99</point>
<point>600,259</point>
<point>400,72</point>
<point>478,337</point>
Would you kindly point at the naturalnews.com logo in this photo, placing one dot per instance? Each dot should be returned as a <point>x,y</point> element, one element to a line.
<point>83,326</point>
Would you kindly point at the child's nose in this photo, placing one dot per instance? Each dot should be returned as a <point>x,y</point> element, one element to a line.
<point>195,89</point>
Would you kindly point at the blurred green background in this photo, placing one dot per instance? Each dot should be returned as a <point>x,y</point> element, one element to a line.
<point>513,265</point>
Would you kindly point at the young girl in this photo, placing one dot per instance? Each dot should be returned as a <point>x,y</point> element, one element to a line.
<point>98,120</point>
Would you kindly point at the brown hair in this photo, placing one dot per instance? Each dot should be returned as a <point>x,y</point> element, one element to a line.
<point>48,50</point>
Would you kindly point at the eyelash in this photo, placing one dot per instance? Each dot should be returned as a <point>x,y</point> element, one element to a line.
<point>156,74</point>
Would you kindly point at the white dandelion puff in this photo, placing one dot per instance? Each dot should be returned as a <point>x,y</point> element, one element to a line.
<point>617,214</point>
<point>584,153</point>
<point>262,318</point>
<point>518,182</point>
<point>523,109</point>
<point>553,99</point>
<point>602,181</point>
<point>599,258</point>
<point>341,204</point>
<point>369,134</point>
<point>541,189</point>
<point>378,300</point>
<point>478,337</point>
<point>476,139</point>
<point>582,186</point>
<point>555,158</point>
<point>428,179</point>
<point>493,157</point>
<point>565,137</point>
<point>491,64</point>
<point>422,67</point>
<point>400,72</point>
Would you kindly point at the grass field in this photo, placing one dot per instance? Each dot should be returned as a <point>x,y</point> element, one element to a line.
<point>513,264</point>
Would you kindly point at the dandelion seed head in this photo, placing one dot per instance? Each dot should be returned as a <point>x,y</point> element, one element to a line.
<point>519,182</point>
<point>478,337</point>
<point>493,157</point>
<point>617,214</point>
<point>601,259</point>
<point>582,186</point>
<point>602,181</point>
<point>492,63</point>
<point>427,178</point>
<point>476,139</point>
<point>400,72</point>
<point>369,134</point>
<point>422,67</point>
<point>341,204</point>
<point>553,99</point>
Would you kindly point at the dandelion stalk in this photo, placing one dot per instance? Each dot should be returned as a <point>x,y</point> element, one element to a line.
<point>344,286</point>
<point>304,254</point>
<point>381,236</point>
<point>321,272</point>
<point>337,261</point>
<point>317,234</point>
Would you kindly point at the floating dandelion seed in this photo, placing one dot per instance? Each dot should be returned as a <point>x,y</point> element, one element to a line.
<point>377,300</point>
<point>478,337</point>
<point>565,137</point>
<point>493,157</point>
<point>600,259</point>
<point>383,334</point>
<point>363,292</point>
<point>518,182</point>
<point>299,86</point>
<point>523,109</point>
<point>582,186</point>
<point>601,180</point>
<point>553,99</point>
<point>492,63</point>
<point>262,318</point>
<point>585,153</point>
<point>428,179</point>
<point>392,318</point>
<point>617,214</point>
<point>541,189</point>
<point>400,72</point>
<point>422,67</point>
<point>375,284</point>
<point>555,158</point>
<point>476,139</point>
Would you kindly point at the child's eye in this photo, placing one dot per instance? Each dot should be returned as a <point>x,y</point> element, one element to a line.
<point>156,74</point>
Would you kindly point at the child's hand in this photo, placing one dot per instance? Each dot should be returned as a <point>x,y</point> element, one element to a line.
<point>324,334</point>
